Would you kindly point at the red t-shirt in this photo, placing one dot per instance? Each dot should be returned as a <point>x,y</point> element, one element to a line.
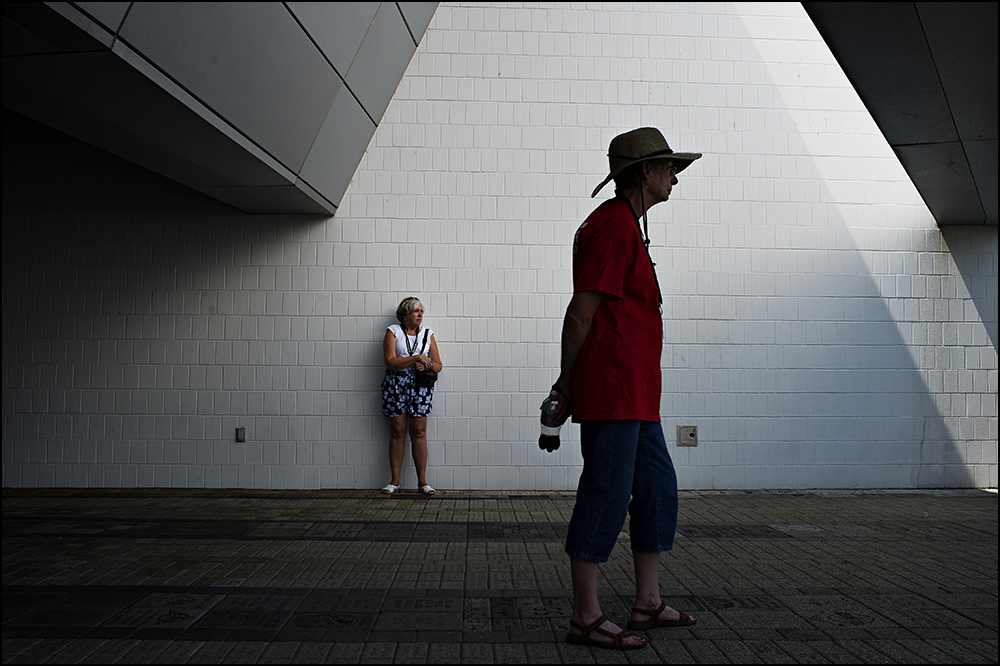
<point>617,373</point>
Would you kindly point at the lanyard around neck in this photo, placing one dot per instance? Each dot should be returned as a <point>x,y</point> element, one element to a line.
<point>406,338</point>
<point>645,244</point>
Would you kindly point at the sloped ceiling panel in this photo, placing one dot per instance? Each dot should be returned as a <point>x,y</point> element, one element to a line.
<point>267,106</point>
<point>927,72</point>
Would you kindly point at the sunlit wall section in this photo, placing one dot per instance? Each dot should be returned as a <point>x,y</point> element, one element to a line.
<point>805,282</point>
<point>819,330</point>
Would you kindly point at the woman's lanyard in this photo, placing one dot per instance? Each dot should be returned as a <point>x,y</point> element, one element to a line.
<point>645,244</point>
<point>406,338</point>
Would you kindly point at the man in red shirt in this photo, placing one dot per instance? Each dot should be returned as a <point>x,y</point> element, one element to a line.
<point>610,383</point>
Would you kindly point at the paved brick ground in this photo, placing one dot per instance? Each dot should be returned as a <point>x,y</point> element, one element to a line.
<point>229,576</point>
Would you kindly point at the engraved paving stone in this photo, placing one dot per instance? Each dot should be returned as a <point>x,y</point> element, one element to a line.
<point>434,532</point>
<point>533,531</point>
<point>421,604</point>
<point>419,622</point>
<point>244,613</point>
<point>386,532</point>
<point>279,530</point>
<point>165,610</point>
<point>797,529</point>
<point>179,600</point>
<point>341,602</point>
<point>842,619</point>
<point>334,531</point>
<point>195,529</point>
<point>476,608</point>
<point>746,602</point>
<point>545,607</point>
<point>729,532</point>
<point>504,608</point>
<point>240,619</point>
<point>929,618</point>
<point>834,612</point>
<point>517,532</point>
<point>420,613</point>
<point>334,621</point>
<point>258,603</point>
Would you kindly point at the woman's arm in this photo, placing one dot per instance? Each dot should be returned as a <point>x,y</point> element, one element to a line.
<point>392,360</point>
<point>434,362</point>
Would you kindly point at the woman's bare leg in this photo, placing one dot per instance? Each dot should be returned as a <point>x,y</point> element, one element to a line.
<point>397,446</point>
<point>418,443</point>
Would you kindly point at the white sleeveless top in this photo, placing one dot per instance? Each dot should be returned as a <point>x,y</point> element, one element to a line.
<point>416,342</point>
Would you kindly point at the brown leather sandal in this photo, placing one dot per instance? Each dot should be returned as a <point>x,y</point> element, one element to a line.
<point>619,638</point>
<point>655,620</point>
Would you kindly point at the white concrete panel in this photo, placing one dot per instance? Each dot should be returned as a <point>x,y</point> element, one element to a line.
<point>820,329</point>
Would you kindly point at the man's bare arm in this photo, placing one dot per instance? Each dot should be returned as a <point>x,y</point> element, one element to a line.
<point>576,327</point>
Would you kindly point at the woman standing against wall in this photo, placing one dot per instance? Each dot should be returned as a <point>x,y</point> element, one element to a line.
<point>410,351</point>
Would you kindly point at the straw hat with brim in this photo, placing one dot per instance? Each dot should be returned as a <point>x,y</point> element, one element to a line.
<point>645,143</point>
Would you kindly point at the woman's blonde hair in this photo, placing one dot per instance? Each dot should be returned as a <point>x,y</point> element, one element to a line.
<point>406,306</point>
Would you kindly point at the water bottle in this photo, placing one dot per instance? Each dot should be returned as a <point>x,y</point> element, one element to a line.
<point>549,439</point>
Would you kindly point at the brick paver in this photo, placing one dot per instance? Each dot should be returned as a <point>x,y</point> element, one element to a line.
<point>231,576</point>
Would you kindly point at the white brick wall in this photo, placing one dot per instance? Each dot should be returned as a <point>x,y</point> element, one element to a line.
<point>820,330</point>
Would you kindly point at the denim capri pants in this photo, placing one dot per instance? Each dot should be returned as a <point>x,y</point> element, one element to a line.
<point>623,460</point>
<point>401,395</point>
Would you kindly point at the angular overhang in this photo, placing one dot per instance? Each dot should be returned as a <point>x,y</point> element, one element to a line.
<point>266,106</point>
<point>927,72</point>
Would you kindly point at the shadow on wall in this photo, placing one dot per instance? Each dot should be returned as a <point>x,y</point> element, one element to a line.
<point>123,296</point>
<point>978,269</point>
<point>867,369</point>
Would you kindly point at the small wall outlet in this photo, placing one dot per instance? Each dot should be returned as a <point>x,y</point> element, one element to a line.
<point>687,435</point>
<point>241,434</point>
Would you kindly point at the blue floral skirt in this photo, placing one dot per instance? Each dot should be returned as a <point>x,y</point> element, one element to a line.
<point>401,395</point>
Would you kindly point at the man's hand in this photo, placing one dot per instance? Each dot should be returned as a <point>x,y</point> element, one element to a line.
<point>564,408</point>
